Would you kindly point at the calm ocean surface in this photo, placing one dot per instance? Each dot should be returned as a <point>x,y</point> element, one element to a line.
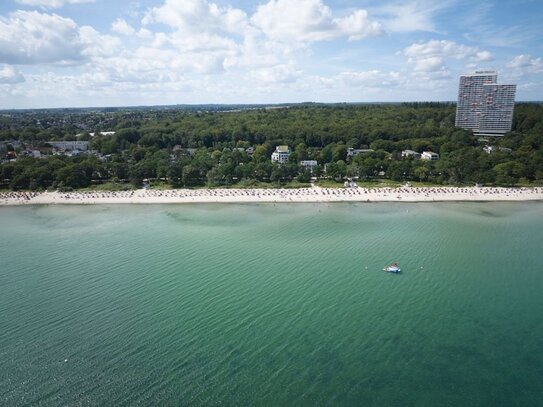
<point>286,305</point>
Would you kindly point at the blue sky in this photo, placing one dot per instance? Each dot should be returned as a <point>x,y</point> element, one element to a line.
<point>64,53</point>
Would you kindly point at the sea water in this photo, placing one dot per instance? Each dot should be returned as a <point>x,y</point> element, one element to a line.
<point>273,305</point>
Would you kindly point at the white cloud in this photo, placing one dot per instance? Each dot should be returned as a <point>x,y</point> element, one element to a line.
<point>205,37</point>
<point>30,37</point>
<point>415,15</point>
<point>430,64</point>
<point>311,20</point>
<point>279,74</point>
<point>258,53</point>
<point>10,75</point>
<point>191,51</point>
<point>483,56</point>
<point>96,45</point>
<point>446,48</point>
<point>203,42</point>
<point>202,37</point>
<point>122,27</point>
<point>370,79</point>
<point>526,63</point>
<point>52,3</point>
<point>378,85</point>
<point>205,53</point>
<point>198,16</point>
<point>430,56</point>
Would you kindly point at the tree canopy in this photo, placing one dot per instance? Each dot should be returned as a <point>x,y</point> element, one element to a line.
<point>193,147</point>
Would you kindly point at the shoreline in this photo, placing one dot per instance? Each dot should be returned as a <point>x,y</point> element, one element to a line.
<point>301,195</point>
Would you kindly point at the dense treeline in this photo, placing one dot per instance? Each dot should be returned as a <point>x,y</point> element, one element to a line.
<point>193,147</point>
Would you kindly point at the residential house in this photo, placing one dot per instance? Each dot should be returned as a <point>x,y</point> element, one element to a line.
<point>69,145</point>
<point>410,154</point>
<point>309,165</point>
<point>429,155</point>
<point>281,154</point>
<point>493,149</point>
<point>353,152</point>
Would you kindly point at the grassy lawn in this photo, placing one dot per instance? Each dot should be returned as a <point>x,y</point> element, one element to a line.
<point>109,186</point>
<point>328,183</point>
<point>378,183</point>
<point>261,185</point>
<point>160,185</point>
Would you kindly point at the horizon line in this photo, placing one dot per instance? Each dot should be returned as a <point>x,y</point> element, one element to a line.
<point>263,105</point>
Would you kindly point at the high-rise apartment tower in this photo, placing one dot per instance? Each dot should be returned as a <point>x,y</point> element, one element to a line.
<point>484,106</point>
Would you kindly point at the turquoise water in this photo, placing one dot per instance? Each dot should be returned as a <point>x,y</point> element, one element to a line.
<point>270,305</point>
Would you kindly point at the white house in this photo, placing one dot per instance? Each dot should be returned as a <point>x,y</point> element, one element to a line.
<point>353,152</point>
<point>280,155</point>
<point>309,164</point>
<point>410,153</point>
<point>493,149</point>
<point>429,155</point>
<point>103,133</point>
<point>70,145</point>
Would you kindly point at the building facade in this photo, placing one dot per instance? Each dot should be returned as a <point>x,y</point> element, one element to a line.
<point>280,155</point>
<point>70,145</point>
<point>484,106</point>
<point>410,154</point>
<point>353,152</point>
<point>309,165</point>
<point>429,155</point>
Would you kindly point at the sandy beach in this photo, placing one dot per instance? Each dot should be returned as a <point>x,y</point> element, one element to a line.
<point>315,194</point>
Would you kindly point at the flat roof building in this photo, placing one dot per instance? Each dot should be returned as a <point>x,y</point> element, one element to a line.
<point>280,155</point>
<point>484,106</point>
<point>410,154</point>
<point>429,155</point>
<point>353,152</point>
<point>309,164</point>
<point>70,145</point>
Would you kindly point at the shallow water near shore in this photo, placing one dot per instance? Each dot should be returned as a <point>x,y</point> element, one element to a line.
<point>273,305</point>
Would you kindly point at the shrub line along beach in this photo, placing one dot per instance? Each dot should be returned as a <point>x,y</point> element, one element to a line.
<point>314,194</point>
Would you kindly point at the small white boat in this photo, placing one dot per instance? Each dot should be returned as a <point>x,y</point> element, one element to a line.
<point>393,268</point>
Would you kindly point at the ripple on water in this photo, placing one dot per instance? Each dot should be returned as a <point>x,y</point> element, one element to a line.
<point>273,305</point>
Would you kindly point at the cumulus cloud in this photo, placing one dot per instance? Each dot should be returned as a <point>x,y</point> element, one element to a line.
<point>430,64</point>
<point>201,36</point>
<point>31,37</point>
<point>95,44</point>
<point>206,37</point>
<point>278,74</point>
<point>430,56</point>
<point>201,51</point>
<point>52,3</point>
<point>370,79</point>
<point>483,56</point>
<point>28,37</point>
<point>311,20</point>
<point>256,53</point>
<point>203,42</point>
<point>10,75</point>
<point>198,15</point>
<point>526,63</point>
<point>122,27</point>
<point>446,48</point>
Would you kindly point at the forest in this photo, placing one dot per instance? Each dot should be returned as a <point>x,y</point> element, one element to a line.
<point>216,146</point>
